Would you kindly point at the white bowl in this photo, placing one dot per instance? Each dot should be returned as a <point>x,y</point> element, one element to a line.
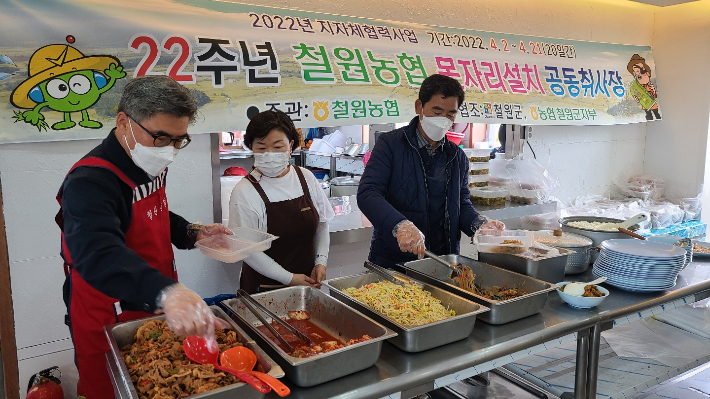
<point>582,302</point>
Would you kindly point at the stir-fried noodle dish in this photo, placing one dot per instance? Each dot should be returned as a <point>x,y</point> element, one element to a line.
<point>159,368</point>
<point>466,280</point>
<point>408,305</point>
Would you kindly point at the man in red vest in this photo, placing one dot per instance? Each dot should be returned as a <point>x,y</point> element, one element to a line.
<point>117,231</point>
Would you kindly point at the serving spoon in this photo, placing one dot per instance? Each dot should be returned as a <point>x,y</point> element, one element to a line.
<point>197,350</point>
<point>243,359</point>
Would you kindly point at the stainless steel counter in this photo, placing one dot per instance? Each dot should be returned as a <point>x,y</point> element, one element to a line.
<point>411,374</point>
<point>354,227</point>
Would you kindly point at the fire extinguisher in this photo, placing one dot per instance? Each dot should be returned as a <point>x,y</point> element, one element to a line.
<point>46,385</point>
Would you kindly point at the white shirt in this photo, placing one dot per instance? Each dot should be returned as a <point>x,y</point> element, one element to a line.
<point>247,209</point>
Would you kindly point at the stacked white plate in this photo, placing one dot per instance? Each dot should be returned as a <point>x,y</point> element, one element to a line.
<point>643,266</point>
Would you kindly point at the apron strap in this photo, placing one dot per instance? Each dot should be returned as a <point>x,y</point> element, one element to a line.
<point>302,179</point>
<point>260,190</point>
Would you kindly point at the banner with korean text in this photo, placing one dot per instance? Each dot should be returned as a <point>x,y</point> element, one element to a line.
<point>63,64</point>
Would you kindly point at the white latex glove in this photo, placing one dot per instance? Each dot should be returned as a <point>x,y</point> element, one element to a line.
<point>409,238</point>
<point>213,230</point>
<point>187,314</point>
<point>493,225</point>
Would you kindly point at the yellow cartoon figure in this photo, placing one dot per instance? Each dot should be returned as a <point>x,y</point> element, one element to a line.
<point>64,80</point>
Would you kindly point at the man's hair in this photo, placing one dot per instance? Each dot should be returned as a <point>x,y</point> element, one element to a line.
<point>146,96</point>
<point>264,122</point>
<point>442,85</point>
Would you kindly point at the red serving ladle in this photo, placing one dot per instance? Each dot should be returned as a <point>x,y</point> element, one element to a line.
<point>243,359</point>
<point>197,350</point>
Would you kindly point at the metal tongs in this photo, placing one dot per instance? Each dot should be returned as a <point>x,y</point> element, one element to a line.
<point>250,302</point>
<point>455,270</point>
<point>387,275</point>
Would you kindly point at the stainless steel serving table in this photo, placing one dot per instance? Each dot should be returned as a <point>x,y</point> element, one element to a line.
<point>398,374</point>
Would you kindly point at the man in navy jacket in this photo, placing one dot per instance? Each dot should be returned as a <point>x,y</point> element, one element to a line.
<point>415,187</point>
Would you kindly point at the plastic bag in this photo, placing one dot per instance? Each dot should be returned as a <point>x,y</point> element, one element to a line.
<point>644,187</point>
<point>526,179</point>
<point>691,207</point>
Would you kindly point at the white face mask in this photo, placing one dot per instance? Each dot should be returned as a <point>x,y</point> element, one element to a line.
<point>151,159</point>
<point>435,127</point>
<point>271,164</point>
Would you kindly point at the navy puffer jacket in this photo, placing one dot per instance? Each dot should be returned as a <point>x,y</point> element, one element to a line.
<point>393,188</point>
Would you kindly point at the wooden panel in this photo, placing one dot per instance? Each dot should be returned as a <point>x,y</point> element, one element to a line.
<point>8,346</point>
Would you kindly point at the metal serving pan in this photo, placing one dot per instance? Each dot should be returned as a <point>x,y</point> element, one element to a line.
<point>550,269</point>
<point>415,338</point>
<point>596,235</point>
<point>327,313</point>
<point>501,312</point>
<point>121,334</point>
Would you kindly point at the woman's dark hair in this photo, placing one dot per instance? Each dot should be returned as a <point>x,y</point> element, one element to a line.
<point>264,122</point>
<point>440,84</point>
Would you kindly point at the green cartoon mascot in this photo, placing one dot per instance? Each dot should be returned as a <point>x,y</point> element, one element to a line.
<point>64,80</point>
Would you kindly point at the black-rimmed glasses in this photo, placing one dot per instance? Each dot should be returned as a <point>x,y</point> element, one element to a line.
<point>162,139</point>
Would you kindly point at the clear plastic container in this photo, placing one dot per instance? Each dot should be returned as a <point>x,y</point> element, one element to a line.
<point>526,196</point>
<point>477,181</point>
<point>478,168</point>
<point>341,205</point>
<point>488,195</point>
<point>499,181</point>
<point>497,241</point>
<point>545,221</point>
<point>233,248</point>
<point>478,154</point>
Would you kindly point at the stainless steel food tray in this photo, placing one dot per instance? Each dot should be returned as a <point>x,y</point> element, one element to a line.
<point>597,236</point>
<point>327,313</point>
<point>550,269</point>
<point>122,334</point>
<point>415,338</point>
<point>500,312</point>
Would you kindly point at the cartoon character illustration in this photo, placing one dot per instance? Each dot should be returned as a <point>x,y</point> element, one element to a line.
<point>64,80</point>
<point>643,91</point>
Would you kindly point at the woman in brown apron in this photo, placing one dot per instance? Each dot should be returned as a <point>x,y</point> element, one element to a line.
<point>288,201</point>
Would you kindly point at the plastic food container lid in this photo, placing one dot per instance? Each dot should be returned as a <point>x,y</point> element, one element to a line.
<point>493,240</point>
<point>479,165</point>
<point>566,240</point>
<point>545,221</point>
<point>488,192</point>
<point>477,152</point>
<point>233,248</point>
<point>477,178</point>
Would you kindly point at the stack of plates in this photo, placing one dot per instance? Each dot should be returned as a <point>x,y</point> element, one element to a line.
<point>636,265</point>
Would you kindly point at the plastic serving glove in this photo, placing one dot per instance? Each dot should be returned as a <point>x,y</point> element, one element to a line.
<point>409,238</point>
<point>187,314</point>
<point>213,230</point>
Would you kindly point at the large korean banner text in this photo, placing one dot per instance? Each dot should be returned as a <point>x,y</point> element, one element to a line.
<point>63,65</point>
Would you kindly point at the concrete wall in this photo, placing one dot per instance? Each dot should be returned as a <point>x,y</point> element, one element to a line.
<point>582,158</point>
<point>676,147</point>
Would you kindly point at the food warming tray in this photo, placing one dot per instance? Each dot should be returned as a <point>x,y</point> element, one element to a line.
<point>327,313</point>
<point>546,269</point>
<point>122,334</point>
<point>415,338</point>
<point>501,312</point>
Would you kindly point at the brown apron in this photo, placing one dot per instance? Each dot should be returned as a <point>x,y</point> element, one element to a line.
<point>295,222</point>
